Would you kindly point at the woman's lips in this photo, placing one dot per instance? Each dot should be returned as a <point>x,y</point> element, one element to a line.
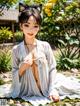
<point>30,34</point>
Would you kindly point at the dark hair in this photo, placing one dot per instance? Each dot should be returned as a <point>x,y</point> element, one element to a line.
<point>24,15</point>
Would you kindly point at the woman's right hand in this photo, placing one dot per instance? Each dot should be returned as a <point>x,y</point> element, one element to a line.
<point>54,98</point>
<point>28,59</point>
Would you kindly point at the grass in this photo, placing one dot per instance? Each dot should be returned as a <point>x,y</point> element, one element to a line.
<point>72,102</point>
<point>1,82</point>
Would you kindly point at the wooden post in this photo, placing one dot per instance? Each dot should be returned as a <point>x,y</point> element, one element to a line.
<point>13,32</point>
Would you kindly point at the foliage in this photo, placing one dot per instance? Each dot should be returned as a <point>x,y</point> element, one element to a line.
<point>34,1</point>
<point>5,34</point>
<point>1,82</point>
<point>5,60</point>
<point>69,56</point>
<point>6,4</point>
<point>18,36</point>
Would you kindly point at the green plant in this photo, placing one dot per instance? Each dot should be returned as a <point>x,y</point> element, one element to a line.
<point>69,56</point>
<point>1,82</point>
<point>5,34</point>
<point>18,36</point>
<point>5,60</point>
<point>62,18</point>
<point>6,4</point>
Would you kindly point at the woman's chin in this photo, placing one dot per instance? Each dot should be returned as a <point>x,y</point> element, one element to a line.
<point>30,37</point>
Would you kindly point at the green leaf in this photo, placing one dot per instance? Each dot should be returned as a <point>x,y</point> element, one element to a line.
<point>62,42</point>
<point>73,41</point>
<point>67,37</point>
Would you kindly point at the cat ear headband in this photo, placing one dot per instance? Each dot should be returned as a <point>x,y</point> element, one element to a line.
<point>23,7</point>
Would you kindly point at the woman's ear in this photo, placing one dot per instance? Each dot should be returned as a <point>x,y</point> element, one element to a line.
<point>20,25</point>
<point>39,28</point>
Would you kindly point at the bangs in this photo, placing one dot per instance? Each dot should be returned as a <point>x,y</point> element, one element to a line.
<point>24,16</point>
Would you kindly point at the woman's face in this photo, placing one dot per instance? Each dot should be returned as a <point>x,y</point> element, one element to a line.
<point>30,28</point>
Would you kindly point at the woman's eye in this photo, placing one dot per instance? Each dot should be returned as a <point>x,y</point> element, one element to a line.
<point>35,26</point>
<point>26,25</point>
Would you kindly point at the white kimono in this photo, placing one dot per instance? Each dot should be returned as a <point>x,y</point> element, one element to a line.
<point>25,86</point>
<point>51,83</point>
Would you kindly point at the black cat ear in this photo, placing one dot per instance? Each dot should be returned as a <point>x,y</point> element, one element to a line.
<point>22,7</point>
<point>38,7</point>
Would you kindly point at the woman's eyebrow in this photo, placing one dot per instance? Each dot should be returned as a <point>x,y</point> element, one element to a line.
<point>36,24</point>
<point>27,23</point>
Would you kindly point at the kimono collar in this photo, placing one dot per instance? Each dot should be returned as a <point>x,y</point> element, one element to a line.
<point>24,51</point>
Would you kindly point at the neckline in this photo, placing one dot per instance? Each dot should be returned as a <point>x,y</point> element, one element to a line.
<point>35,42</point>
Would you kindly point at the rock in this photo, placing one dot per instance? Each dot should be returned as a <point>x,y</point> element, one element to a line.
<point>75,71</point>
<point>6,76</point>
<point>18,104</point>
<point>11,102</point>
<point>77,104</point>
<point>67,104</point>
<point>25,104</point>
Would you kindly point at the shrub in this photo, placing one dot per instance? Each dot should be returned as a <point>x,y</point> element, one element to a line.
<point>1,82</point>
<point>69,56</point>
<point>18,36</point>
<point>66,63</point>
<point>5,60</point>
<point>5,34</point>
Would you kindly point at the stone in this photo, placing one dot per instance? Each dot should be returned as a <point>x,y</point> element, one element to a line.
<point>67,104</point>
<point>25,104</point>
<point>11,102</point>
<point>77,104</point>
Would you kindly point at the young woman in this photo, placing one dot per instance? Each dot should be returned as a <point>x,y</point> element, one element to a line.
<point>34,67</point>
<point>34,74</point>
<point>33,63</point>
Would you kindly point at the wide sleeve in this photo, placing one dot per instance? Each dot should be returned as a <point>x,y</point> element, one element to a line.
<point>15,73</point>
<point>52,70</point>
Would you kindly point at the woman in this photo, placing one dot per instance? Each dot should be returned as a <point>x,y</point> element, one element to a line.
<point>33,63</point>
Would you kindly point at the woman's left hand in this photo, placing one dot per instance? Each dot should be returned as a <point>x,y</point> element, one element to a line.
<point>54,98</point>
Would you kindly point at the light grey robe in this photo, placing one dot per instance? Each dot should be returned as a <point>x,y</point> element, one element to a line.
<point>50,82</point>
<point>25,86</point>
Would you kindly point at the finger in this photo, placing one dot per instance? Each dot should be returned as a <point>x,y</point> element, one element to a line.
<point>51,98</point>
<point>56,98</point>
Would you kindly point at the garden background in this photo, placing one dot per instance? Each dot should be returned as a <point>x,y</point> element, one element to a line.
<point>60,27</point>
